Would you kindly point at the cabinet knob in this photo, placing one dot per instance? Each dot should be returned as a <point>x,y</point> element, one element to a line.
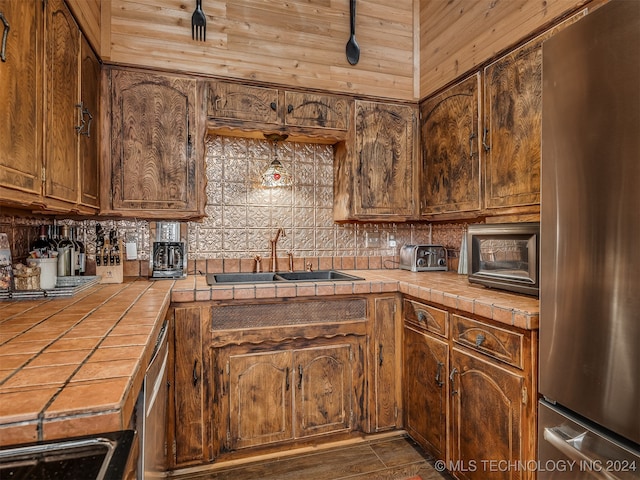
<point>273,106</point>
<point>289,108</point>
<point>480,339</point>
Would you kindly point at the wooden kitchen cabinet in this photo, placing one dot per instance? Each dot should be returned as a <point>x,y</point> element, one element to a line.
<point>426,367</point>
<point>295,392</point>
<point>469,390</point>
<point>512,130</point>
<point>385,402</point>
<point>53,161</point>
<point>451,151</point>
<point>487,404</point>
<point>374,172</point>
<point>20,95</point>
<point>155,166</point>
<point>187,434</point>
<point>257,109</point>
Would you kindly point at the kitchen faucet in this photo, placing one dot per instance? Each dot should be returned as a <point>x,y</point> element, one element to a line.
<point>274,249</point>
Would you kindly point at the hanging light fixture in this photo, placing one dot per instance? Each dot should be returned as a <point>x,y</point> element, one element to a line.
<point>276,175</point>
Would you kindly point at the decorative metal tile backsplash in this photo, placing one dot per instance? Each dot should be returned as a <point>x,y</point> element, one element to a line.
<point>242,215</point>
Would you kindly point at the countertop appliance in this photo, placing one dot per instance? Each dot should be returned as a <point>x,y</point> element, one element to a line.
<point>169,256</point>
<point>423,258</point>
<point>505,256</point>
<point>589,376</point>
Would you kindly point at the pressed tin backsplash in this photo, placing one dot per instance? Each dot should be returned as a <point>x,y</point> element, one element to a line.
<point>242,215</point>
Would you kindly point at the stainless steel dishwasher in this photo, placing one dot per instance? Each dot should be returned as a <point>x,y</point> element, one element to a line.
<point>154,415</point>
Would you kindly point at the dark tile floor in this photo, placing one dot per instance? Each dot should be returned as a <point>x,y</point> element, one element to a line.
<point>385,458</point>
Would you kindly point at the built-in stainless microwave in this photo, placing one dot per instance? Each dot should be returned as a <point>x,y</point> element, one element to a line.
<point>505,256</point>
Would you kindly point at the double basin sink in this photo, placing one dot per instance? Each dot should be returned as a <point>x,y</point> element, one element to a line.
<point>279,277</point>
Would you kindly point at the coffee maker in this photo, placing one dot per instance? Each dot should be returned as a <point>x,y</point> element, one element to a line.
<point>169,255</point>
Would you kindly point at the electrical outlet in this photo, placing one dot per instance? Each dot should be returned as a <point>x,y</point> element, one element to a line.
<point>391,242</point>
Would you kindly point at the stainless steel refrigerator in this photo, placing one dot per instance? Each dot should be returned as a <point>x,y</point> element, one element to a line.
<point>589,377</point>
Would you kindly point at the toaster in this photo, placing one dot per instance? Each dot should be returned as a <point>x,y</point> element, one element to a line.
<point>423,258</point>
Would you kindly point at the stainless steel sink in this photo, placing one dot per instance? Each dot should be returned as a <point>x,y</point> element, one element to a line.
<point>270,277</point>
<point>318,276</point>
<point>218,278</point>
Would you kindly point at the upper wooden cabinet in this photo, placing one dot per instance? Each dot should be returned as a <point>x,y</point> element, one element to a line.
<point>450,141</point>
<point>374,172</point>
<point>155,165</point>
<point>512,134</point>
<point>20,96</point>
<point>513,127</point>
<point>264,109</point>
<point>59,175</point>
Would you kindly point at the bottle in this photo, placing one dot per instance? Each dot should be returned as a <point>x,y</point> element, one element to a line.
<point>42,246</point>
<point>80,252</point>
<point>66,253</point>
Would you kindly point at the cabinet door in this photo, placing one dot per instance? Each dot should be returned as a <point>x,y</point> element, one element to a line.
<point>260,398</point>
<point>513,124</point>
<point>486,416</point>
<point>187,414</point>
<point>385,135</point>
<point>450,177</point>
<point>425,390</point>
<point>62,93</point>
<point>385,380</point>
<point>323,390</point>
<point>314,110</point>
<point>20,90</point>
<point>90,134</point>
<point>241,102</point>
<point>157,147</point>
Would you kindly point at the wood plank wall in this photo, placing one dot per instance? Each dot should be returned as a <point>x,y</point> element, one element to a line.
<point>296,42</point>
<point>459,35</point>
<point>410,48</point>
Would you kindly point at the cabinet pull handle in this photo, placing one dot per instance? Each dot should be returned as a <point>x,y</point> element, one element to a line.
<point>5,34</point>
<point>453,372</point>
<point>87,132</point>
<point>195,372</point>
<point>439,381</point>
<point>80,128</point>
<point>484,140</point>
<point>471,137</point>
<point>380,354</point>
<point>287,386</point>
<point>299,377</point>
<point>479,339</point>
<point>289,108</point>
<point>422,317</point>
<point>273,106</point>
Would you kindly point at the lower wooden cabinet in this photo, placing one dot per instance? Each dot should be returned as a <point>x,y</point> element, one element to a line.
<point>295,392</point>
<point>487,404</point>
<point>426,366</point>
<point>469,393</point>
<point>186,429</point>
<point>385,401</point>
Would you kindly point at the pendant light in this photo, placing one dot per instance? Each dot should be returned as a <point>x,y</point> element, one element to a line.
<point>276,175</point>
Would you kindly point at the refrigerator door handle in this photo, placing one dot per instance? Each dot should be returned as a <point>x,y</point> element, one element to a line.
<point>571,445</point>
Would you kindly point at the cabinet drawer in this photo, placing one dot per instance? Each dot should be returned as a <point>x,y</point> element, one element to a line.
<point>427,318</point>
<point>242,102</point>
<point>496,342</point>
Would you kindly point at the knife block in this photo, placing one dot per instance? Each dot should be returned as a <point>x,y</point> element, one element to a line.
<point>112,272</point>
